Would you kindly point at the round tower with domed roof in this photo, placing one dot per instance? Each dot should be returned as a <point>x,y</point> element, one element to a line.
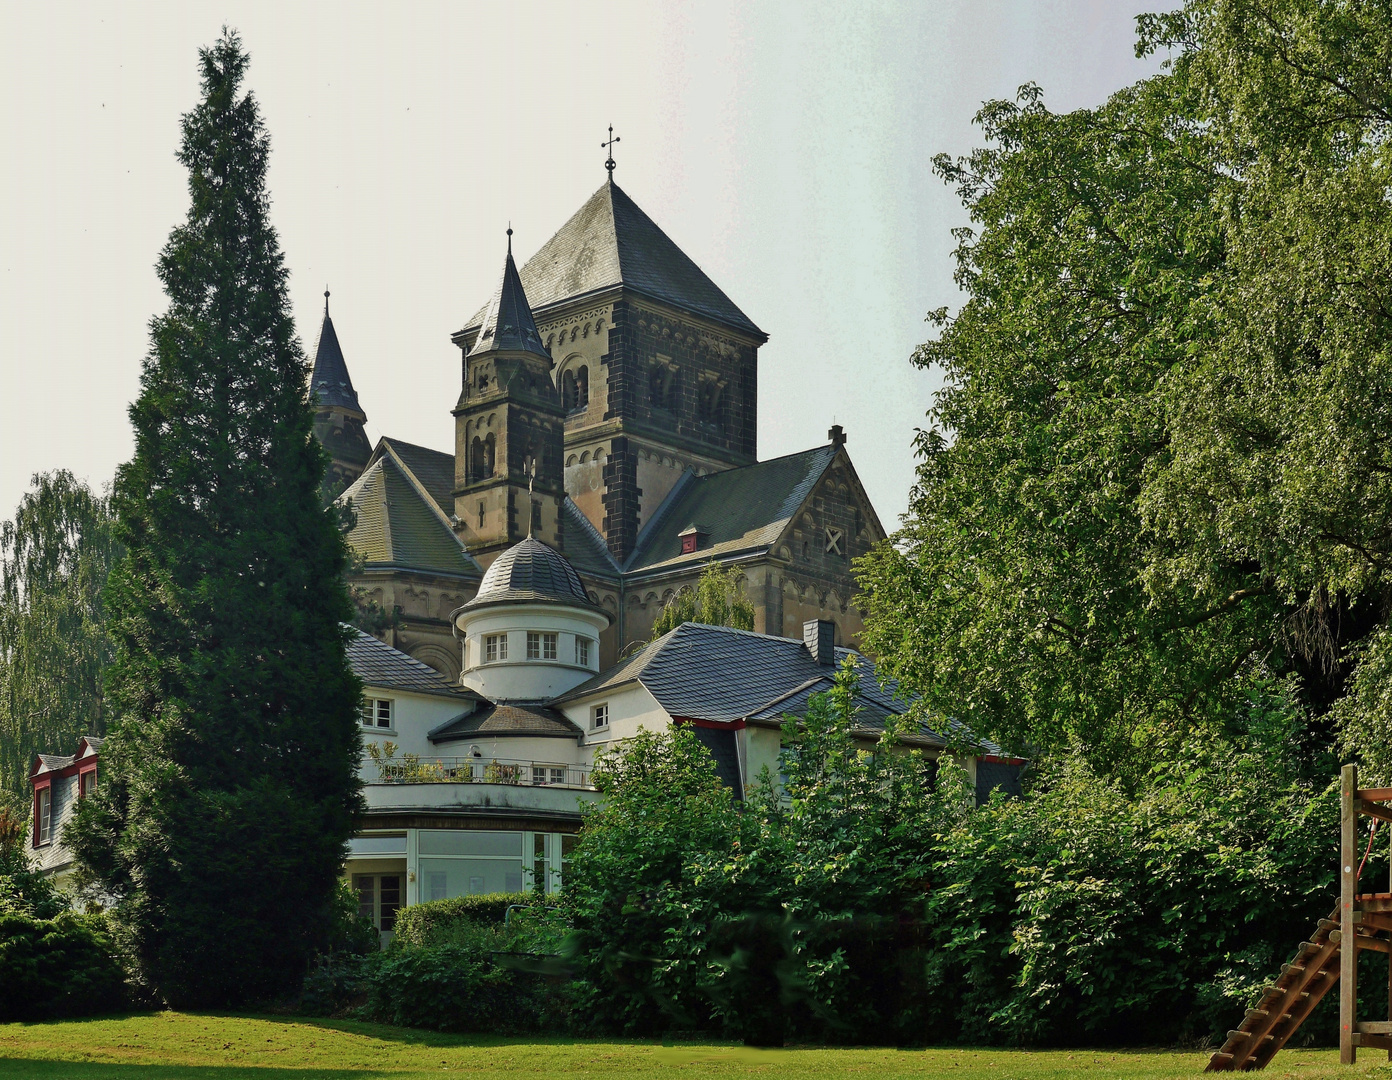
<point>531,633</point>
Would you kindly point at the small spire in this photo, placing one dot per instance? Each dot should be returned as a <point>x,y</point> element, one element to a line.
<point>509,238</point>
<point>326,300</point>
<point>609,163</point>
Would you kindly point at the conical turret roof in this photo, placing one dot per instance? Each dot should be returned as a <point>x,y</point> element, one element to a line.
<point>508,325</point>
<point>330,382</point>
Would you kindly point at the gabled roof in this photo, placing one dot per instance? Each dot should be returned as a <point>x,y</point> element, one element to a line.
<point>584,547</point>
<point>398,524</point>
<point>744,509</point>
<point>508,325</point>
<point>329,380</point>
<point>610,241</point>
<point>513,720</point>
<point>433,468</point>
<point>720,674</point>
<point>377,664</point>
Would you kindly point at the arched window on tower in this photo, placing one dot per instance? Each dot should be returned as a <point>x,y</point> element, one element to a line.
<point>476,459</point>
<point>490,445</point>
<point>575,389</point>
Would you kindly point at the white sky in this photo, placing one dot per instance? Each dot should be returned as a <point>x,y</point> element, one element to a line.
<point>785,146</point>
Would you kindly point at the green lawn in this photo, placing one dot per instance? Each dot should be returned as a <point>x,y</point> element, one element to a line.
<point>164,1046</point>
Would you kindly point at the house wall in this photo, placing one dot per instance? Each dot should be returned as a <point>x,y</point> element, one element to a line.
<point>517,678</point>
<point>412,716</point>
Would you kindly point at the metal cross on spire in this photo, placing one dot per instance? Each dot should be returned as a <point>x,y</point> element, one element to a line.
<point>609,162</point>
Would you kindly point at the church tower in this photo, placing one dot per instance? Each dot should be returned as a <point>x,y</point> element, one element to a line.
<point>509,429</point>
<point>338,418</point>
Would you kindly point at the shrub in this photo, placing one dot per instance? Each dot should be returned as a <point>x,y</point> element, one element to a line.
<point>433,921</point>
<point>60,967</point>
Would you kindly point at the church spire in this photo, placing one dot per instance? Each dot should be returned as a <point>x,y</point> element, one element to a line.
<point>509,325</point>
<point>338,418</point>
<point>329,381</point>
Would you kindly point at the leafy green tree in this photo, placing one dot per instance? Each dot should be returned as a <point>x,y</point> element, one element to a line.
<point>1157,477</point>
<point>229,785</point>
<point>55,555</point>
<point>717,600</point>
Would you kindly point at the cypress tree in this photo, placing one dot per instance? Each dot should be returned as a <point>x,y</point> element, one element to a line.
<point>229,782</point>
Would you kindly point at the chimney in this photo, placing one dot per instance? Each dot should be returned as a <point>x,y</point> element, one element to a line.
<point>837,435</point>
<point>819,636</point>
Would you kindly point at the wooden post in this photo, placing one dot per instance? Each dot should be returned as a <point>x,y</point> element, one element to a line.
<point>1348,882</point>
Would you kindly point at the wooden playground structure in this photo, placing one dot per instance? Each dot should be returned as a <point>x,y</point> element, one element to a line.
<point>1362,921</point>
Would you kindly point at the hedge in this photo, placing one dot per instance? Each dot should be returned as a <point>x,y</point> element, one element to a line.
<point>420,923</point>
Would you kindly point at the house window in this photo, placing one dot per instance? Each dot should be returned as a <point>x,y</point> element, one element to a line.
<point>548,774</point>
<point>379,899</point>
<point>376,713</point>
<point>599,717</point>
<point>582,651</point>
<point>89,783</point>
<point>540,646</point>
<point>43,814</point>
<point>495,648</point>
<point>539,861</point>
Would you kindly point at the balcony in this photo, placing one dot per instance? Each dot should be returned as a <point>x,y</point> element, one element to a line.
<point>411,769</point>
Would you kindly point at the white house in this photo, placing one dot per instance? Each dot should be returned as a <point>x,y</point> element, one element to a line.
<point>479,786</point>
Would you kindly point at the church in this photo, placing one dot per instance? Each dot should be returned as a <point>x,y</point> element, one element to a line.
<point>608,406</point>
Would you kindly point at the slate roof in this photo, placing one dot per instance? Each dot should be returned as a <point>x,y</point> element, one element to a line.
<point>54,762</point>
<point>527,572</point>
<point>610,241</point>
<point>720,674</point>
<point>513,720</point>
<point>377,664</point>
<point>398,526</point>
<point>584,547</point>
<point>433,468</point>
<point>329,379</point>
<point>508,325</point>
<point>740,509</point>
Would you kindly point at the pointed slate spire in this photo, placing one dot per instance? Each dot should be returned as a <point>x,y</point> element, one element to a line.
<point>330,381</point>
<point>508,325</point>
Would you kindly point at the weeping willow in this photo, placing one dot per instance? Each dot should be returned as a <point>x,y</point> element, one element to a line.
<point>55,555</point>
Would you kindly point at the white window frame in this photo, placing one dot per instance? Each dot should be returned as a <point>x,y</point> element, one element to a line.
<point>582,651</point>
<point>599,716</point>
<point>541,645</point>
<point>494,648</point>
<point>374,710</point>
<point>45,822</point>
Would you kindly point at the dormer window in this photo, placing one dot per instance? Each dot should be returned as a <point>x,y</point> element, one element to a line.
<point>692,538</point>
<point>541,646</point>
<point>88,784</point>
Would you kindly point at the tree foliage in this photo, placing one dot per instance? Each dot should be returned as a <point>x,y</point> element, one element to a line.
<point>55,555</point>
<point>229,776</point>
<point>1156,480</point>
<point>717,600</point>
<point>871,900</point>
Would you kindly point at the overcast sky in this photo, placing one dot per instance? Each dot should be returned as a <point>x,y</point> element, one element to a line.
<point>786,147</point>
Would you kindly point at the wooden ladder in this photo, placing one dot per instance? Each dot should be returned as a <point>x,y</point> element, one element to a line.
<point>1364,920</point>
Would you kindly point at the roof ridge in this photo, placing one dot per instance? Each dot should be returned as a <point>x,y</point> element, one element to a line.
<point>421,490</point>
<point>588,526</point>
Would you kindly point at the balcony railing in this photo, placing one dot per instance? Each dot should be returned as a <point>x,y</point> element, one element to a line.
<point>411,769</point>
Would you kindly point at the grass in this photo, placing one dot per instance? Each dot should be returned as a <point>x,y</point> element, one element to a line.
<point>189,1046</point>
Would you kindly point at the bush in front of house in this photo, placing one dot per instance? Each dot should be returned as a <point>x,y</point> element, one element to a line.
<point>436,921</point>
<point>57,968</point>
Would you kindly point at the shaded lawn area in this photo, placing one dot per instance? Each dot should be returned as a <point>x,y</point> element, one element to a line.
<point>188,1046</point>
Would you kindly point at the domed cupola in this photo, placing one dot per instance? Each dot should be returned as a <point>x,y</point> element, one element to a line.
<point>531,633</point>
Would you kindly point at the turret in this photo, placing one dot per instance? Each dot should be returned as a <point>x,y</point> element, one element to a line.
<point>509,430</point>
<point>338,418</point>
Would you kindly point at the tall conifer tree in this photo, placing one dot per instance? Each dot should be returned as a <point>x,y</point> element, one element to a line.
<point>229,784</point>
